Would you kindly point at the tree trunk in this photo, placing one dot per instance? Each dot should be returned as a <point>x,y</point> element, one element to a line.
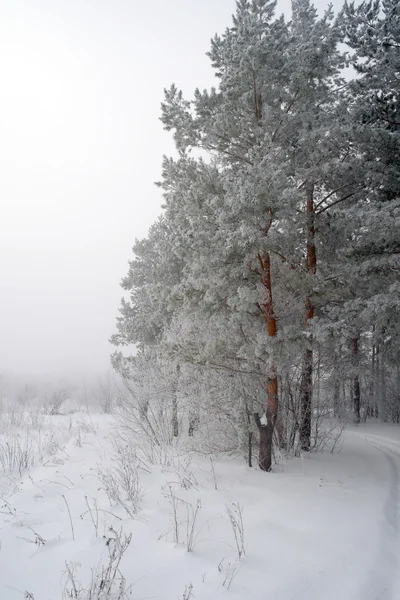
<point>382,382</point>
<point>356,382</point>
<point>378,403</point>
<point>281,431</point>
<point>266,425</point>
<point>336,398</point>
<point>249,438</point>
<point>319,377</point>
<point>373,374</point>
<point>307,370</point>
<point>175,423</point>
<point>356,399</point>
<point>305,399</point>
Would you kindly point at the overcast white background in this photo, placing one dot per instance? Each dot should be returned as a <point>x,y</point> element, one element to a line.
<point>81,82</point>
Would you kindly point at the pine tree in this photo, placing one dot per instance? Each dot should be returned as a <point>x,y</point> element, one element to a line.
<point>266,129</point>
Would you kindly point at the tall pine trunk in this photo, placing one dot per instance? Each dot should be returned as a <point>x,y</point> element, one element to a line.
<point>175,422</point>
<point>382,381</point>
<point>336,398</point>
<point>372,411</point>
<point>307,369</point>
<point>356,396</point>
<point>266,425</point>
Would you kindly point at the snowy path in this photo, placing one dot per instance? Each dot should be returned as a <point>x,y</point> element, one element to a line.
<point>383,578</point>
<point>322,528</point>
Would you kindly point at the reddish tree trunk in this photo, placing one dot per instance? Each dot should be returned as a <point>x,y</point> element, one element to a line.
<point>267,425</point>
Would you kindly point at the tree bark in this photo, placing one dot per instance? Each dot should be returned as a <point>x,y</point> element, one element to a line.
<point>306,403</point>
<point>175,423</point>
<point>356,382</point>
<point>267,425</point>
<point>281,431</point>
<point>249,438</point>
<point>382,382</point>
<point>336,398</point>
<point>307,369</point>
<point>372,406</point>
<point>378,403</point>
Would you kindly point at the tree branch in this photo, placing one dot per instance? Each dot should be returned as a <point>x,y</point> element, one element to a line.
<point>337,202</point>
<point>332,193</point>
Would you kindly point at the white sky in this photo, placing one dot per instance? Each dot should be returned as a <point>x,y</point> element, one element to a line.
<point>80,147</point>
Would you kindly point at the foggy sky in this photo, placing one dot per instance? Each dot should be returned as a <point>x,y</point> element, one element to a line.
<point>80,148</point>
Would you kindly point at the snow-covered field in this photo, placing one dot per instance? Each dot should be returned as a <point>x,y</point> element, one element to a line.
<point>322,527</point>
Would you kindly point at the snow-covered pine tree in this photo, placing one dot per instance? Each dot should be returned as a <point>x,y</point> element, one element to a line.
<point>369,248</point>
<point>279,222</point>
<point>145,317</point>
<point>271,131</point>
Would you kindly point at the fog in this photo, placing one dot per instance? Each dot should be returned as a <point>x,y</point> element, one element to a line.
<point>80,148</point>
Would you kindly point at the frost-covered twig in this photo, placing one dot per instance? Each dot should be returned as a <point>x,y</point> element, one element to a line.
<point>107,582</point>
<point>188,592</point>
<point>235,514</point>
<point>231,570</point>
<point>94,514</point>
<point>213,473</point>
<point>192,512</point>
<point>70,517</point>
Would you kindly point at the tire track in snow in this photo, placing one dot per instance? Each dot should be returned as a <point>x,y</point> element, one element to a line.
<point>386,566</point>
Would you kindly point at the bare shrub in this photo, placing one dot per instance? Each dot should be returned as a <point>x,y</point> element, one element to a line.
<point>148,424</point>
<point>148,408</point>
<point>16,455</point>
<point>37,540</point>
<point>229,572</point>
<point>107,581</point>
<point>122,484</point>
<point>327,432</point>
<point>184,475</point>
<point>191,524</point>
<point>188,592</point>
<point>94,511</point>
<point>184,529</point>
<point>94,514</point>
<point>28,438</point>
<point>235,514</point>
<point>106,393</point>
<point>13,417</point>
<point>70,517</point>
<point>86,425</point>
<point>57,398</point>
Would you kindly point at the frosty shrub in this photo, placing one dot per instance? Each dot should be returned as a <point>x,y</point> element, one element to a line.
<point>56,399</point>
<point>188,592</point>
<point>146,426</point>
<point>184,519</point>
<point>16,456</point>
<point>121,483</point>
<point>184,476</point>
<point>107,581</point>
<point>229,571</point>
<point>235,514</point>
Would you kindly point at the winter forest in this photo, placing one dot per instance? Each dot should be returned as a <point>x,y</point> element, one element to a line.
<point>264,300</point>
<point>245,442</point>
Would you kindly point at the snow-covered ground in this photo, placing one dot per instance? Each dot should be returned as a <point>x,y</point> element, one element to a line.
<point>322,527</point>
